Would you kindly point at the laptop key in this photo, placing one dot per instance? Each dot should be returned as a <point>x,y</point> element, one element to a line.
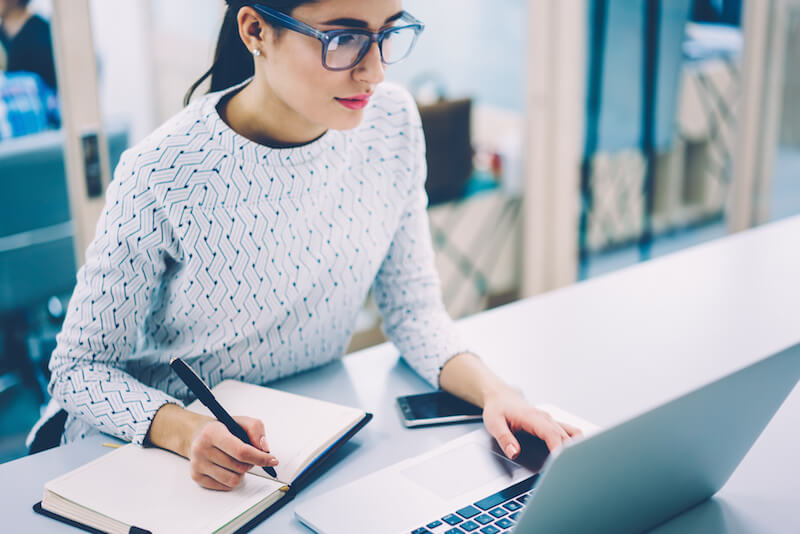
<point>490,529</point>
<point>434,524</point>
<point>498,512</point>
<point>421,530</point>
<point>504,523</point>
<point>514,516</point>
<point>484,519</point>
<point>454,530</point>
<point>505,494</point>
<point>452,519</point>
<point>468,512</point>
<point>469,526</point>
<point>523,498</point>
<point>512,505</point>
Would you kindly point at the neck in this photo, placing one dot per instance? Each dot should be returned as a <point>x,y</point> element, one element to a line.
<point>256,113</point>
<point>14,19</point>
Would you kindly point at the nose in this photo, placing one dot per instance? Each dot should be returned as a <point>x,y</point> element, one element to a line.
<point>370,69</point>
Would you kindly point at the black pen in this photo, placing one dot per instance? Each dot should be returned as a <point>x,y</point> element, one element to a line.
<point>201,391</point>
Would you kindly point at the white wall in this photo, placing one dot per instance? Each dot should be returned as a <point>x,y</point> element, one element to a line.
<point>149,52</point>
<point>184,37</point>
<point>122,40</point>
<point>477,48</point>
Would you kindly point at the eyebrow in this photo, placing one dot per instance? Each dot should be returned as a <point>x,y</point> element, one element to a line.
<point>355,23</point>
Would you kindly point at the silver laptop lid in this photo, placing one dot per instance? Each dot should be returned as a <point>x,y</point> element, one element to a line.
<point>635,475</point>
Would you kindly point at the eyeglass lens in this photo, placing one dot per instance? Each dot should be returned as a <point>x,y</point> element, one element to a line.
<point>344,49</point>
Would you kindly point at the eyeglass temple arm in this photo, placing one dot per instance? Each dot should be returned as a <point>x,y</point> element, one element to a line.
<point>408,17</point>
<point>288,22</point>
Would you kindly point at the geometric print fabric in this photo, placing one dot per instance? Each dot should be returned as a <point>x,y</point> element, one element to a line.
<point>249,262</point>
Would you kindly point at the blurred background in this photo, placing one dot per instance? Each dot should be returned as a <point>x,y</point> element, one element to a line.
<point>566,139</point>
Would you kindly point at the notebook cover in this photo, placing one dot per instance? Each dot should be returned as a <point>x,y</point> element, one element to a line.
<point>299,483</point>
<point>309,473</point>
<point>39,510</point>
<point>306,476</point>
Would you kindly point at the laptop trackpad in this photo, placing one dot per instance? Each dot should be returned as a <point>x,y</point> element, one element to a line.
<point>460,470</point>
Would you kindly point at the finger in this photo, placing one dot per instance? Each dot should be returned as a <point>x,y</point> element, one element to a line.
<point>572,431</point>
<point>555,439</point>
<point>552,438</point>
<point>239,450</point>
<point>217,456</point>
<point>209,483</point>
<point>223,476</point>
<point>498,428</point>
<point>558,426</point>
<point>546,430</point>
<point>255,431</point>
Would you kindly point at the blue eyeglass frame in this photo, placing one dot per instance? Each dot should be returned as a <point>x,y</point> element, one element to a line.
<point>325,37</point>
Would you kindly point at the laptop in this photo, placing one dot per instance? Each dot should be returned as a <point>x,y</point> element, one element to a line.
<point>626,478</point>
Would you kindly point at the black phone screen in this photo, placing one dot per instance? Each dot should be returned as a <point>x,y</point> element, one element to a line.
<point>439,404</point>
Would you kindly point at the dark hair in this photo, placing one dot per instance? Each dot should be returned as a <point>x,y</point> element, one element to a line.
<point>233,62</point>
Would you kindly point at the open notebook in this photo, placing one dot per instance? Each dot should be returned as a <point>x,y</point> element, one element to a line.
<point>134,489</point>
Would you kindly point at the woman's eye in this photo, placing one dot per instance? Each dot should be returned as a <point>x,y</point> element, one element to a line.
<point>345,40</point>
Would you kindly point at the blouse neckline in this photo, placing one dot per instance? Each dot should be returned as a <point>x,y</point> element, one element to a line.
<point>246,150</point>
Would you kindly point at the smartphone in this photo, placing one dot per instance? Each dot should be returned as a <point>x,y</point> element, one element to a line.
<point>436,408</point>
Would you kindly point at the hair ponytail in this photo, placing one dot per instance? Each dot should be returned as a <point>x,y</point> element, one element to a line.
<point>233,62</point>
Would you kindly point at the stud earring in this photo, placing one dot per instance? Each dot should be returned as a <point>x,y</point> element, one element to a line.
<point>256,52</point>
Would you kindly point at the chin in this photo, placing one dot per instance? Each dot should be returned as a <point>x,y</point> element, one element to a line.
<point>347,121</point>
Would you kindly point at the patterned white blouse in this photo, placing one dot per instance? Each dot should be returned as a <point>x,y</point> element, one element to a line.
<point>249,262</point>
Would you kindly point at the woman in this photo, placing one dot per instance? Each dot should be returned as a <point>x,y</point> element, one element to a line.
<point>245,233</point>
<point>26,40</point>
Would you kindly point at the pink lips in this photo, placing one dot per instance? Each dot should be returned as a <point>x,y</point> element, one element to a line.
<point>354,102</point>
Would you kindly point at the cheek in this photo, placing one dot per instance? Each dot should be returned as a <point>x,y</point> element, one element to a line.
<point>309,89</point>
<point>322,86</point>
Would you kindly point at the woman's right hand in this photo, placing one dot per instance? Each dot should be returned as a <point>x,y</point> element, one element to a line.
<point>219,459</point>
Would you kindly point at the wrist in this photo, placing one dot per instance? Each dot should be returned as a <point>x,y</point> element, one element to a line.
<point>173,428</point>
<point>466,376</point>
<point>498,390</point>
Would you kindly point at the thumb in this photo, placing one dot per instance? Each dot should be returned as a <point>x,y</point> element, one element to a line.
<point>498,427</point>
<point>255,431</point>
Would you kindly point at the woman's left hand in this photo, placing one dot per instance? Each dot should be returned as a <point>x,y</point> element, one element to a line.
<point>506,412</point>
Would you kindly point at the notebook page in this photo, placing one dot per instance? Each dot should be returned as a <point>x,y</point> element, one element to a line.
<point>152,489</point>
<point>297,428</point>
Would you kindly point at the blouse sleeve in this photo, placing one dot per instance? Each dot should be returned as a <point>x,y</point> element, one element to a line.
<point>114,292</point>
<point>407,288</point>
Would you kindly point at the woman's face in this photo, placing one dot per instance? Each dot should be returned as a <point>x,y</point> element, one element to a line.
<point>6,6</point>
<point>292,64</point>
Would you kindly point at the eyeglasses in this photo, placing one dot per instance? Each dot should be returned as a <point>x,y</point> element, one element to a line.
<point>344,49</point>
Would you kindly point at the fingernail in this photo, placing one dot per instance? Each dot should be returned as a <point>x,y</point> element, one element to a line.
<point>263,444</point>
<point>511,450</point>
<point>274,461</point>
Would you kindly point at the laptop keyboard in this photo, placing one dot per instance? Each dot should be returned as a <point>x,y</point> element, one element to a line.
<point>492,515</point>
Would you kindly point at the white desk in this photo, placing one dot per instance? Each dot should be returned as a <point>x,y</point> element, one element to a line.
<point>605,350</point>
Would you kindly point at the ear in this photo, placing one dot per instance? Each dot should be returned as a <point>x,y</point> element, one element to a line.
<point>252,29</point>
